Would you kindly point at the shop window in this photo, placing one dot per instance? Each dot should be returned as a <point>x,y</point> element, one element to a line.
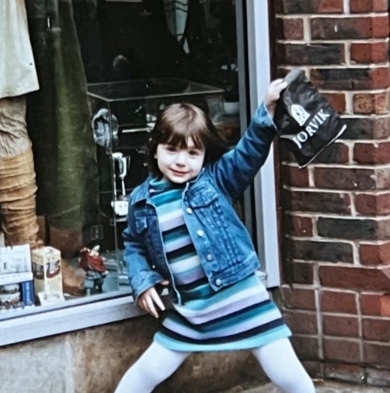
<point>99,73</point>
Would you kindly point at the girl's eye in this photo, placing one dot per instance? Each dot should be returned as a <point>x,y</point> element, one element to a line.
<point>193,153</point>
<point>170,148</point>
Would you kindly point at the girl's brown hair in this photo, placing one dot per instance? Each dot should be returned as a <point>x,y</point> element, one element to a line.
<point>177,124</point>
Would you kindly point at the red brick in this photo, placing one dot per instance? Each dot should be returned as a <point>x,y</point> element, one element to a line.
<point>367,128</point>
<point>309,7</point>
<point>341,350</point>
<point>330,6</point>
<point>372,153</point>
<point>378,354</point>
<point>345,372</point>
<point>371,103</point>
<point>340,326</point>
<point>372,204</point>
<point>337,101</point>
<point>351,78</point>
<point>358,6</point>
<point>289,28</point>
<point>314,369</point>
<point>346,178</point>
<point>376,305</point>
<point>311,250</point>
<point>384,302</point>
<point>376,329</point>
<point>374,254</point>
<point>350,28</point>
<point>340,302</point>
<point>301,322</point>
<point>353,229</point>
<point>317,201</point>
<point>382,178</point>
<point>370,304</point>
<point>298,226</point>
<point>372,52</point>
<point>310,54</point>
<point>353,278</point>
<point>293,176</point>
<point>298,298</point>
<point>336,153</point>
<point>306,347</point>
<point>303,272</point>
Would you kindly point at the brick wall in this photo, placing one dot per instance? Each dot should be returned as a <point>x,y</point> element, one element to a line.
<point>336,212</point>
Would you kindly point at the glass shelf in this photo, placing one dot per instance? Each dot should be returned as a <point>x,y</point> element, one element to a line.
<point>150,89</point>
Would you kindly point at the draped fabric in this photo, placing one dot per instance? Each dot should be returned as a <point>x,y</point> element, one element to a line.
<point>17,69</point>
<point>59,120</point>
<point>176,15</point>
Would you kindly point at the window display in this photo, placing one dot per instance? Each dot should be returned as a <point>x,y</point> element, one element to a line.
<point>88,82</point>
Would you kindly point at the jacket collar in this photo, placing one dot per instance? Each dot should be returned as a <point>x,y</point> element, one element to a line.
<point>142,192</point>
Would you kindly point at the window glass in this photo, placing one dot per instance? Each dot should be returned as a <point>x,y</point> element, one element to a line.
<point>80,93</point>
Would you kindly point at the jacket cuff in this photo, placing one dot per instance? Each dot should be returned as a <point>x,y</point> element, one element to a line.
<point>262,118</point>
<point>143,282</point>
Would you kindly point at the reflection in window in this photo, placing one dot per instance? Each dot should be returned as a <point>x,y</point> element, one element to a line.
<point>105,70</point>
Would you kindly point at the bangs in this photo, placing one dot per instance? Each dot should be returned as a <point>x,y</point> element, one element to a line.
<point>184,125</point>
<point>180,139</point>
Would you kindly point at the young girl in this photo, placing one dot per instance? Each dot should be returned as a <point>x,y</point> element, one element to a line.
<point>184,233</point>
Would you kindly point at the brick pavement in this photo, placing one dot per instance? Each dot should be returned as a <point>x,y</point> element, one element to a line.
<point>324,387</point>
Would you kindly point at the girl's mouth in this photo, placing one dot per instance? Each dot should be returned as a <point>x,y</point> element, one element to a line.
<point>178,173</point>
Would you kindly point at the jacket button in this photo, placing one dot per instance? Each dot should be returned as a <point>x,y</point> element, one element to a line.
<point>189,210</point>
<point>218,282</point>
<point>209,257</point>
<point>200,233</point>
<point>154,266</point>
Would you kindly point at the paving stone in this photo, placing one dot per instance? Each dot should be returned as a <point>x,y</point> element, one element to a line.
<point>325,387</point>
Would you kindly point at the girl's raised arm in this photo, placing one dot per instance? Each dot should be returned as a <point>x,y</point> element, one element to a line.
<point>237,168</point>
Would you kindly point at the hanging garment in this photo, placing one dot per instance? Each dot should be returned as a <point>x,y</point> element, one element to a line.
<point>17,66</point>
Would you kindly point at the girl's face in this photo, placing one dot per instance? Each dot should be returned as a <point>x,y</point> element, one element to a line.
<point>178,164</point>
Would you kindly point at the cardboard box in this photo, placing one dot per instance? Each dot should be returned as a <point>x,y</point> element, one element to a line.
<point>46,264</point>
<point>15,278</point>
<point>15,259</point>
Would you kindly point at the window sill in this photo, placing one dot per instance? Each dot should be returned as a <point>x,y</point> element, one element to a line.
<point>44,321</point>
<point>38,322</point>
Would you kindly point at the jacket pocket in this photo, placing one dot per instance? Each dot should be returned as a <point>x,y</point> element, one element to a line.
<point>213,213</point>
<point>202,197</point>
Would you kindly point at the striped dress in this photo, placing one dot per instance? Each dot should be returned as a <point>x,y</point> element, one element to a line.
<point>240,316</point>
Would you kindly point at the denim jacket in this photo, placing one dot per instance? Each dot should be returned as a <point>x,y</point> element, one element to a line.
<point>221,240</point>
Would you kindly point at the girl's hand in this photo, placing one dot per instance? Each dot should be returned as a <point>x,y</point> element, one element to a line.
<point>273,94</point>
<point>150,298</point>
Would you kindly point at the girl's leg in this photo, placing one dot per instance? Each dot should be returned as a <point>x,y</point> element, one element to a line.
<point>154,366</point>
<point>283,368</point>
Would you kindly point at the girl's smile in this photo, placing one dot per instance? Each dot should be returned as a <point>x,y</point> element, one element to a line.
<point>180,164</point>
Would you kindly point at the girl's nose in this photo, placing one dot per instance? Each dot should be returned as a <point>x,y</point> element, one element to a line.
<point>181,158</point>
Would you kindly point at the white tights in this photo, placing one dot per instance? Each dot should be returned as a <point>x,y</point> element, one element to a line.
<point>277,359</point>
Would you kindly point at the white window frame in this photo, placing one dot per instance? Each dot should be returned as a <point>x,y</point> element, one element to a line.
<point>264,185</point>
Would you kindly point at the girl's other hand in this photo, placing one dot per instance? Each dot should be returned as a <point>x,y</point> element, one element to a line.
<point>150,299</point>
<point>273,94</point>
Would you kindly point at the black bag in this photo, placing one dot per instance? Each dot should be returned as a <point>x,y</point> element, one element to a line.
<point>306,122</point>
